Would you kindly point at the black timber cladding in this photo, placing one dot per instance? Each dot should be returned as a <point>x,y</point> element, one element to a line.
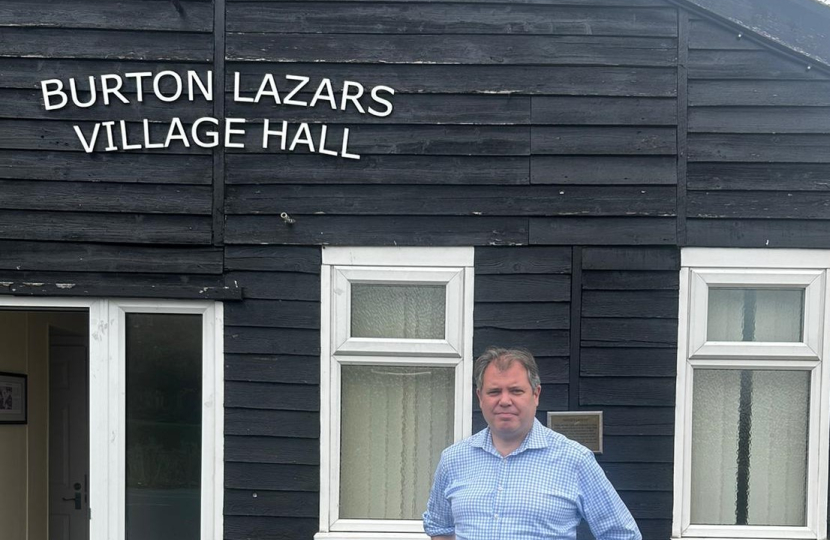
<point>103,224</point>
<point>551,135</point>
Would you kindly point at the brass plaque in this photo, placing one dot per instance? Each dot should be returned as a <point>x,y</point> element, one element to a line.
<point>584,427</point>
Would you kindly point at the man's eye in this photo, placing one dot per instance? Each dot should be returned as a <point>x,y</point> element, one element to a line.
<point>517,391</point>
<point>493,393</point>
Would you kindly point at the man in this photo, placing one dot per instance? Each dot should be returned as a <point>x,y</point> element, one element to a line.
<point>517,479</point>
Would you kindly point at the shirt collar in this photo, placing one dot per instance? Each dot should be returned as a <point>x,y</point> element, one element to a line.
<point>534,439</point>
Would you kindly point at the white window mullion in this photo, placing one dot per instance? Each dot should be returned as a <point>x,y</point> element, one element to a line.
<point>117,423</point>
<point>99,420</point>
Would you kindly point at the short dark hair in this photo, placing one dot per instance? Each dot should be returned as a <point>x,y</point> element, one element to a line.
<point>504,358</point>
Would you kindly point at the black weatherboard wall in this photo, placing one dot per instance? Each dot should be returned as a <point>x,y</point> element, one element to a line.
<point>577,144</point>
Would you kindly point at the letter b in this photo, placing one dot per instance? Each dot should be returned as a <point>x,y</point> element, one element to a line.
<point>58,91</point>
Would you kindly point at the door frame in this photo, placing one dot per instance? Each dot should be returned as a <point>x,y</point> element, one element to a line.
<point>107,434</point>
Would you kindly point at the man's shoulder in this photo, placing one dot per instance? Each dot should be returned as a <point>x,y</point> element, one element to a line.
<point>563,447</point>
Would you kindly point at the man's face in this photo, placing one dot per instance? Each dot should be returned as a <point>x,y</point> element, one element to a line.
<point>507,401</point>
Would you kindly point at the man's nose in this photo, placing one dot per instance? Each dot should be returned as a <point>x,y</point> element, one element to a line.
<point>504,399</point>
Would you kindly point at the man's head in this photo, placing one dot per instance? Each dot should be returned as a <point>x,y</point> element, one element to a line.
<point>508,387</point>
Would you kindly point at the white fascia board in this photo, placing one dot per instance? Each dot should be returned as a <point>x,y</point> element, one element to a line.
<point>754,258</point>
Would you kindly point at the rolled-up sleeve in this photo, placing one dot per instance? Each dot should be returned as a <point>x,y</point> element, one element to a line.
<point>438,519</point>
<point>602,508</point>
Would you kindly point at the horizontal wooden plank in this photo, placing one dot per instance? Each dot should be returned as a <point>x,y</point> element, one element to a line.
<point>640,477</point>
<point>629,332</point>
<point>655,528</point>
<point>59,135</point>
<point>788,148</point>
<point>106,167</point>
<point>603,170</point>
<point>626,3</point>
<point>381,139</point>
<point>272,423</point>
<point>761,64</point>
<point>274,313</point>
<point>638,421</point>
<point>539,342</point>
<point>627,362</point>
<point>622,258</point>
<point>105,197</point>
<point>377,230</point>
<point>451,200</point>
<point>627,280</point>
<point>759,176</point>
<point>284,368</point>
<point>523,288</point>
<point>126,259</point>
<point>274,258</point>
<point>627,391</point>
<point>278,285</point>
<point>272,450</point>
<point>639,304</point>
<point>451,49</point>
<point>780,93</point>
<point>603,231</point>
<point>93,227</point>
<point>90,284</point>
<point>553,369</point>
<point>759,119</point>
<point>106,44</point>
<point>492,109</point>
<point>465,79</point>
<point>271,503</point>
<point>272,476</point>
<point>758,233</point>
<point>249,340</point>
<point>519,316</point>
<point>381,169</point>
<point>29,104</point>
<point>29,72</point>
<point>648,504</point>
<point>704,34</point>
<point>269,528</point>
<point>638,449</point>
<point>447,19</point>
<point>187,16</point>
<point>758,205</point>
<point>603,140</point>
<point>605,111</point>
<point>273,396</point>
<point>524,260</point>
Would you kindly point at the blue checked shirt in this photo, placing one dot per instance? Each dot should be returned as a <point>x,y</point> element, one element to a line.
<point>543,489</point>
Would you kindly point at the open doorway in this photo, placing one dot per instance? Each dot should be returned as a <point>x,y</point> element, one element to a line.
<point>44,459</point>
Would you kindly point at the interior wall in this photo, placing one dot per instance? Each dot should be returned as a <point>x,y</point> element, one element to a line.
<point>24,450</point>
<point>14,463</point>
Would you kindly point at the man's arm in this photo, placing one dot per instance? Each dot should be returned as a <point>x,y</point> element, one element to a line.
<point>602,508</point>
<point>438,520</point>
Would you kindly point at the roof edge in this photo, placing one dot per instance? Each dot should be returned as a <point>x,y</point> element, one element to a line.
<point>798,26</point>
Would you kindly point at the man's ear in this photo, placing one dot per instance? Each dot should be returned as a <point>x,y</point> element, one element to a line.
<point>478,393</point>
<point>536,394</point>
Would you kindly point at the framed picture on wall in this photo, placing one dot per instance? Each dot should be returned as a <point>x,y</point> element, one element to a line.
<point>13,398</point>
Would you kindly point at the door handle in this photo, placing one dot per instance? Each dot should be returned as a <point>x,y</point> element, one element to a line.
<point>76,498</point>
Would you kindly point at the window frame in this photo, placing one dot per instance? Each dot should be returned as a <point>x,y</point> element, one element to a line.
<point>342,266</point>
<point>703,268</point>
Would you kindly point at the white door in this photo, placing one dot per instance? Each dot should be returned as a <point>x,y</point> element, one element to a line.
<point>68,439</point>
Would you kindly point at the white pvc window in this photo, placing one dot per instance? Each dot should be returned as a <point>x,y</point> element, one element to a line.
<point>751,418</point>
<point>395,383</point>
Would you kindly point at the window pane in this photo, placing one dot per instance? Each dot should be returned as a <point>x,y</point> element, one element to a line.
<point>749,447</point>
<point>398,311</point>
<point>755,314</point>
<point>164,426</point>
<point>395,421</point>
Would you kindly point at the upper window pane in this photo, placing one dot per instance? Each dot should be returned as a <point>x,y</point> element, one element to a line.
<point>743,314</point>
<point>749,447</point>
<point>398,311</point>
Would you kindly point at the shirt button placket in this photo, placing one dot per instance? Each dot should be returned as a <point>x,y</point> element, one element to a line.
<point>502,478</point>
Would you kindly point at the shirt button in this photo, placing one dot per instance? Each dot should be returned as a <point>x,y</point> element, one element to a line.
<point>495,516</point>
<point>500,488</point>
